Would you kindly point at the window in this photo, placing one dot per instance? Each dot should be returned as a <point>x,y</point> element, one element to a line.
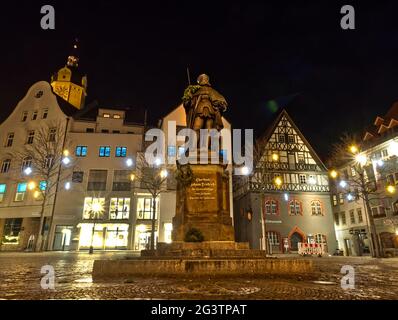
<point>43,185</point>
<point>316,208</point>
<point>26,163</point>
<point>31,136</point>
<point>144,208</point>
<point>105,151</point>
<point>24,116</point>
<point>295,208</point>
<point>94,208</point>
<point>273,238</point>
<point>281,138</point>
<point>10,139</point>
<point>34,115</point>
<point>119,208</point>
<point>343,219</point>
<point>352,217</point>
<point>45,114</point>
<point>12,228</point>
<point>271,207</point>
<point>89,130</point>
<point>105,131</point>
<point>81,151</point>
<point>115,131</point>
<point>77,176</point>
<point>300,158</point>
<point>171,151</point>
<point>116,116</point>
<point>106,115</point>
<point>303,178</point>
<point>360,217</point>
<point>121,180</point>
<point>52,134</point>
<point>341,198</point>
<point>5,166</point>
<point>336,218</point>
<point>97,180</point>
<point>384,153</point>
<point>48,161</point>
<point>121,151</point>
<point>2,191</point>
<point>21,190</point>
<point>375,211</point>
<point>320,238</point>
<point>334,198</point>
<point>353,172</point>
<point>290,139</point>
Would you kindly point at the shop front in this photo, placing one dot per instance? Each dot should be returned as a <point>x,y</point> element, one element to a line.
<point>103,236</point>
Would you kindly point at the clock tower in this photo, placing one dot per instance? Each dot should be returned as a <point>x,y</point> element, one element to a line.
<point>68,83</point>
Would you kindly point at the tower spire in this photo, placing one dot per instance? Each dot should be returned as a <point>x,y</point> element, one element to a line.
<point>73,58</point>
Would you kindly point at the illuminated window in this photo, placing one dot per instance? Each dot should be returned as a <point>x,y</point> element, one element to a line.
<point>271,207</point>
<point>168,229</point>
<point>171,151</point>
<point>144,208</point>
<point>119,208</point>
<point>31,136</point>
<point>341,198</point>
<point>121,151</point>
<point>81,151</point>
<point>45,114</point>
<point>281,138</point>
<point>116,116</point>
<point>106,115</point>
<point>12,228</point>
<point>290,139</point>
<point>21,190</point>
<point>334,197</point>
<point>10,139</point>
<point>316,208</point>
<point>3,188</point>
<point>26,163</point>
<point>94,208</point>
<point>295,208</point>
<point>24,116</point>
<point>300,158</point>
<point>34,115</point>
<point>273,238</point>
<point>48,161</point>
<point>105,151</point>
<point>43,185</point>
<point>5,166</point>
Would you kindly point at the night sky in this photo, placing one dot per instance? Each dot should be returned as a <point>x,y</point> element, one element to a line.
<point>135,53</point>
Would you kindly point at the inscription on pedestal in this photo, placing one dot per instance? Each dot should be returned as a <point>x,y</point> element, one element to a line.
<point>203,189</point>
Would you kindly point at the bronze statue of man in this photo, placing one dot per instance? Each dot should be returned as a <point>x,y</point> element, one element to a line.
<point>204,105</point>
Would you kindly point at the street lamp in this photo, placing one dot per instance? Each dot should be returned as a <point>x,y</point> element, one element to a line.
<point>353,149</point>
<point>28,171</point>
<point>164,174</point>
<point>31,185</point>
<point>333,174</point>
<point>391,189</point>
<point>361,159</point>
<point>343,184</point>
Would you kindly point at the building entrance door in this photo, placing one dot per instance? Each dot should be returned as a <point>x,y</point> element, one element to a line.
<point>295,238</point>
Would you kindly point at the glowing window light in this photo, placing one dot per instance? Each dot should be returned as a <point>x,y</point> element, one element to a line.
<point>286,196</point>
<point>31,185</point>
<point>343,183</point>
<point>67,185</point>
<point>393,148</point>
<point>278,181</point>
<point>275,157</point>
<point>164,174</point>
<point>312,180</point>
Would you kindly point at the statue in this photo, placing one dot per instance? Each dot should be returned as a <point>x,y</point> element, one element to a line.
<point>203,105</point>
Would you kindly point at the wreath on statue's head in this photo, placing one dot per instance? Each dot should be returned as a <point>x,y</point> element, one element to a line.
<point>188,93</point>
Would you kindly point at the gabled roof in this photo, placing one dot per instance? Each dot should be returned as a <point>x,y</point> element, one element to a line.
<point>270,130</point>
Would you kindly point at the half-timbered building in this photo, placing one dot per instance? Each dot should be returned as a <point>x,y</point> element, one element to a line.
<point>285,201</point>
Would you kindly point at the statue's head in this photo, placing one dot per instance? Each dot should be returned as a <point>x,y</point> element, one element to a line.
<point>204,80</point>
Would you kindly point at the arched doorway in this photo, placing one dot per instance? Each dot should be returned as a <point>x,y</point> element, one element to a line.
<point>295,238</point>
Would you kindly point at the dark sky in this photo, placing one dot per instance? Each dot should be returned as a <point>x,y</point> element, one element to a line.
<point>136,53</point>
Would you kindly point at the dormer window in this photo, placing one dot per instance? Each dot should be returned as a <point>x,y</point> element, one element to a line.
<point>39,94</point>
<point>24,116</point>
<point>106,115</point>
<point>116,116</point>
<point>34,115</point>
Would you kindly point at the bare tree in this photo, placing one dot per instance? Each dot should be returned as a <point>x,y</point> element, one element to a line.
<point>152,178</point>
<point>41,159</point>
<point>365,181</point>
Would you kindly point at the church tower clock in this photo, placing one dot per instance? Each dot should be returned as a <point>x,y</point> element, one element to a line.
<point>68,83</point>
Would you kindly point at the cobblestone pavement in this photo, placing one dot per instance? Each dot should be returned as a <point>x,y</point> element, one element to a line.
<point>20,279</point>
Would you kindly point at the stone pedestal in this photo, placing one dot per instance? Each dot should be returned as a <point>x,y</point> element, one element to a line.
<point>204,205</point>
